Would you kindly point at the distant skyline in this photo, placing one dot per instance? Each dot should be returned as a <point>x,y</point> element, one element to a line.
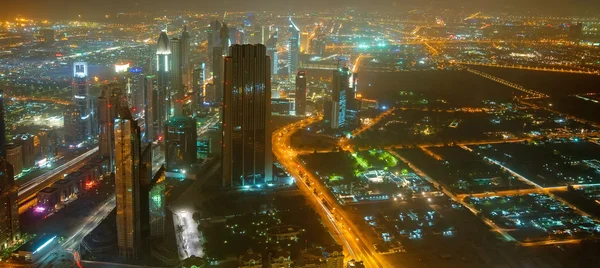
<point>70,9</point>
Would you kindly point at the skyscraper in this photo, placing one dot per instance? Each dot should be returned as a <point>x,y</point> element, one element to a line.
<point>214,40</point>
<point>272,51</point>
<point>9,205</point>
<point>246,146</point>
<point>176,94</point>
<point>81,100</point>
<point>145,181</point>
<point>293,49</point>
<point>2,127</point>
<point>150,112</point>
<point>109,104</point>
<point>186,72</point>
<point>127,184</point>
<point>301,93</point>
<point>71,122</point>
<point>218,54</point>
<point>163,65</point>
<point>339,94</point>
<point>180,137</point>
<point>199,95</point>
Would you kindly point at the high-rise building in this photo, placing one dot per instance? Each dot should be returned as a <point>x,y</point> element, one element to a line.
<point>272,52</point>
<point>218,54</point>
<point>127,184</point>
<point>176,94</point>
<point>71,120</point>
<point>339,94</point>
<point>145,181</point>
<point>9,205</point>
<point>81,100</point>
<point>246,146</point>
<point>109,103</point>
<point>150,112</point>
<point>134,89</point>
<point>14,156</point>
<point>163,68</point>
<point>304,42</point>
<point>180,149</point>
<point>301,93</point>
<point>214,40</point>
<point>157,205</point>
<point>2,126</point>
<point>186,70</point>
<point>293,49</point>
<point>199,96</point>
<point>27,149</point>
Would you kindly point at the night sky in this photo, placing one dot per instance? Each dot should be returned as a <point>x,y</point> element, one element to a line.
<point>68,9</point>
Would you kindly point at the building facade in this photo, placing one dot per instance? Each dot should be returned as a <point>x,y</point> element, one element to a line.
<point>246,144</point>
<point>127,184</point>
<point>301,93</point>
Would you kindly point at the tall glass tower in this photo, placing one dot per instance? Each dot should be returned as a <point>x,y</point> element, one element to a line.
<point>293,49</point>
<point>246,146</point>
<point>163,78</point>
<point>127,184</point>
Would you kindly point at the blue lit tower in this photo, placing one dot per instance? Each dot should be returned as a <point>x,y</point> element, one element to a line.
<point>81,101</point>
<point>246,146</point>
<point>272,51</point>
<point>340,86</point>
<point>293,49</point>
<point>163,78</point>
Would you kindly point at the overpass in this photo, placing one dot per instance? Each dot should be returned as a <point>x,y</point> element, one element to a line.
<point>28,190</point>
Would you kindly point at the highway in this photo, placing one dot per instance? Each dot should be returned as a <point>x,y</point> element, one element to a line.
<point>71,244</point>
<point>332,213</point>
<point>30,188</point>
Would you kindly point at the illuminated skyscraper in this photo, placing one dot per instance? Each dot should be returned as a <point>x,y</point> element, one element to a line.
<point>304,42</point>
<point>186,72</point>
<point>339,93</point>
<point>180,137</point>
<point>272,51</point>
<point>9,205</point>
<point>301,93</point>
<point>109,104</point>
<point>246,146</point>
<point>293,49</point>
<point>163,66</point>
<point>81,100</point>
<point>176,94</point>
<point>199,96</point>
<point>127,184</point>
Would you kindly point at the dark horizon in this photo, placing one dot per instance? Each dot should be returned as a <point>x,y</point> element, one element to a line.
<point>69,9</point>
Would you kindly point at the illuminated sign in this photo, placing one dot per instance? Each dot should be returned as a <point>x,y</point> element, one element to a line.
<point>135,70</point>
<point>80,69</point>
<point>119,68</point>
<point>80,97</point>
